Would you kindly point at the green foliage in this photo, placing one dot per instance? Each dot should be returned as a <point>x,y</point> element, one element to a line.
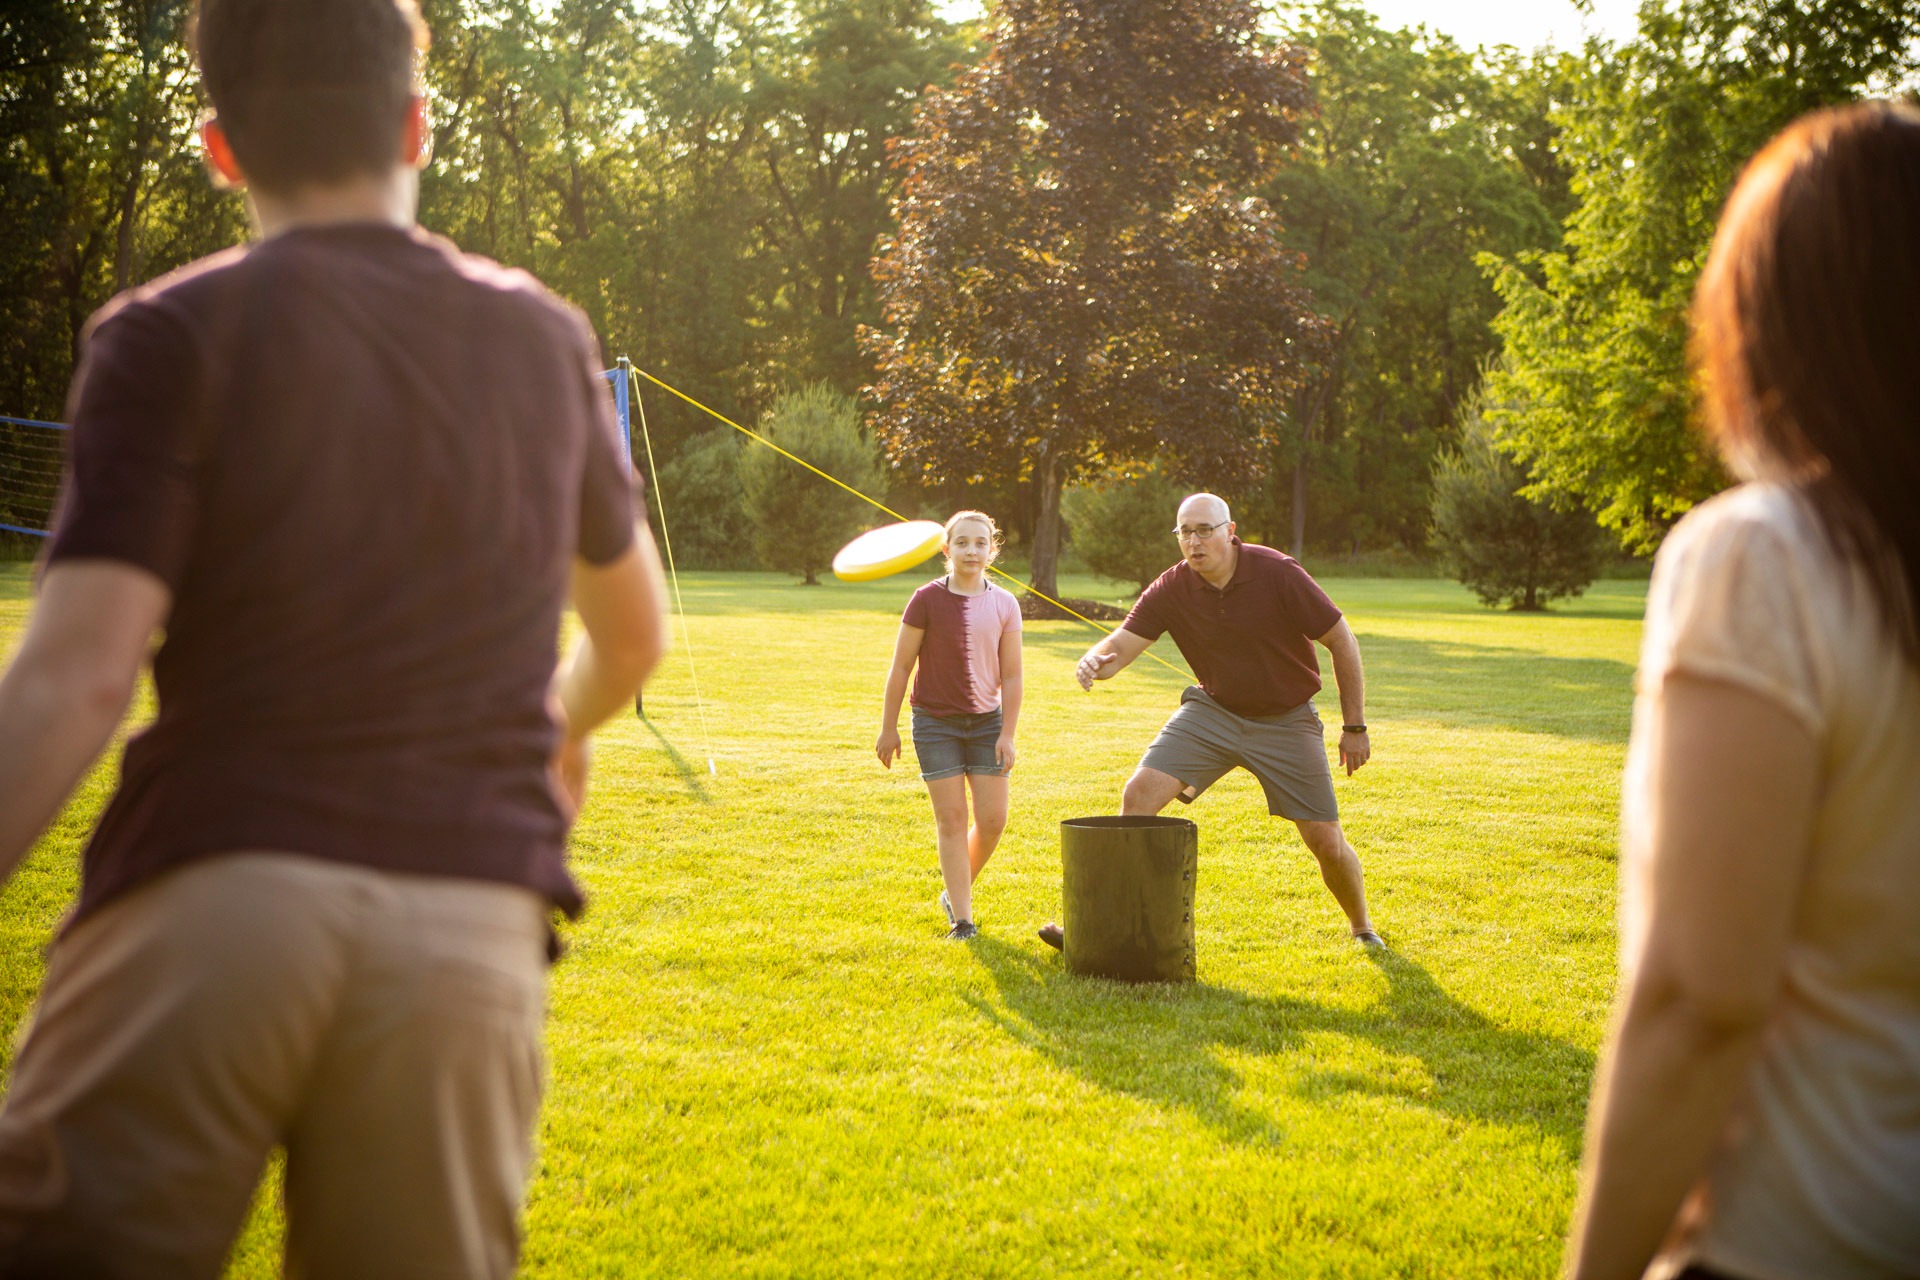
<point>700,503</point>
<point>101,181</point>
<point>1079,280</point>
<point>1420,157</point>
<point>1594,374</point>
<point>705,178</point>
<point>1507,548</point>
<point>800,520</point>
<point>1119,527</point>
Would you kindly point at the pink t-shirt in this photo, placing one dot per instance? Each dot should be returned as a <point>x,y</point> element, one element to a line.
<point>959,671</point>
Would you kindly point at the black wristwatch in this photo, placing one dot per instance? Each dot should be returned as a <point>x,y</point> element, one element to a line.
<point>1353,728</point>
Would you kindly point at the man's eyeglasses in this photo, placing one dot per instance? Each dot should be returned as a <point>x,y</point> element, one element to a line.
<point>1196,533</point>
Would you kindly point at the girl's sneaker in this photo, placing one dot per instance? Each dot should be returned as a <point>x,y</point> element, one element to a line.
<point>946,905</point>
<point>962,931</point>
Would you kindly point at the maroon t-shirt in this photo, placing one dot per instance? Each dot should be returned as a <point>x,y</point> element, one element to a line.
<point>364,464</point>
<point>958,671</point>
<point>1251,645</point>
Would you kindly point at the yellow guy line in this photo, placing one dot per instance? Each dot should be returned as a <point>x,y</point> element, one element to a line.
<point>876,502</point>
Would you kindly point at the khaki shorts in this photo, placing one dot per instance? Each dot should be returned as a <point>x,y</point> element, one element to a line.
<point>383,1028</point>
<point>1203,741</point>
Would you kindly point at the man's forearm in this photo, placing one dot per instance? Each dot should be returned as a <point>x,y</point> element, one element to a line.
<point>1351,679</point>
<point>51,730</point>
<point>592,688</point>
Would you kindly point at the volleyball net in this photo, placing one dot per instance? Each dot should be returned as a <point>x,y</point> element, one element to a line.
<point>33,457</point>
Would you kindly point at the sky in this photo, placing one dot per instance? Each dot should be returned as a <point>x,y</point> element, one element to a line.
<point>1525,23</point>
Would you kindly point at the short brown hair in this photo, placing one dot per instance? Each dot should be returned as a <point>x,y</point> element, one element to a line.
<point>1806,329</point>
<point>309,91</point>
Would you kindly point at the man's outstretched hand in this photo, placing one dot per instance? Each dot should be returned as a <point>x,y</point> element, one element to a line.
<point>1088,669</point>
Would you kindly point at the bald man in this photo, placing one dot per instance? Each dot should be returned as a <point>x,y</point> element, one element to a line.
<point>1246,619</point>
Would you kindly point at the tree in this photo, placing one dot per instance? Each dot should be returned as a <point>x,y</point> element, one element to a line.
<point>706,178</point>
<point>1418,158</point>
<point>1120,525</point>
<point>846,79</point>
<point>1079,280</point>
<point>100,177</point>
<point>700,504</point>
<point>1593,393</point>
<point>1508,548</point>
<point>799,519</point>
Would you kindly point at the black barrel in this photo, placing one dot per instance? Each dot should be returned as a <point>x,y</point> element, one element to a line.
<point>1127,897</point>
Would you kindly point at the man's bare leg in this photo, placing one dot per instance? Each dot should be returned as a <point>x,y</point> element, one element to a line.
<point>1147,792</point>
<point>1339,870</point>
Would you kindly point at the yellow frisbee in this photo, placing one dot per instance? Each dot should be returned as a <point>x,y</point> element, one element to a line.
<point>889,549</point>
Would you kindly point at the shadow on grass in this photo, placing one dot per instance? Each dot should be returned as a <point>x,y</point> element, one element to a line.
<point>1165,1044</point>
<point>689,776</point>
<point>1459,685</point>
<point>1489,686</point>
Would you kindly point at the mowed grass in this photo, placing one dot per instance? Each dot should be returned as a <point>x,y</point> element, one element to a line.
<point>766,1061</point>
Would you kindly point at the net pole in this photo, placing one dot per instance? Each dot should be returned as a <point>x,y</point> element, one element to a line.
<point>679,604</point>
<point>622,376</point>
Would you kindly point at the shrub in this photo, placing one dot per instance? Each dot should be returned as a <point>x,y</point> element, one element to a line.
<point>1120,528</point>
<point>1509,550</point>
<point>701,497</point>
<point>799,520</point>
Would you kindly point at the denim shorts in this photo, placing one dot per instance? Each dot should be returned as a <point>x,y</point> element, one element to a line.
<point>949,746</point>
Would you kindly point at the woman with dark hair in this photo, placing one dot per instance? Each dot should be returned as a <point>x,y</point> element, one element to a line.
<point>1757,1110</point>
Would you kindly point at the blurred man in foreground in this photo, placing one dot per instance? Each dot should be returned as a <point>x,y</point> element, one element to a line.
<point>351,474</point>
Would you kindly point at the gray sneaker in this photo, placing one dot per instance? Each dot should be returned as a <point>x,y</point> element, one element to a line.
<point>962,931</point>
<point>1368,938</point>
<point>946,905</point>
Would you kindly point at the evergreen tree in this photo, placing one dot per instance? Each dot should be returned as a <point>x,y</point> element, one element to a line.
<point>1508,549</point>
<point>701,504</point>
<point>1120,527</point>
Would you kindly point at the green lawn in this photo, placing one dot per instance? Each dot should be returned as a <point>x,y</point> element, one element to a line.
<point>766,1061</point>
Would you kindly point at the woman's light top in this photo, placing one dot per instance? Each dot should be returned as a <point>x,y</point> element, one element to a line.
<point>1820,1173</point>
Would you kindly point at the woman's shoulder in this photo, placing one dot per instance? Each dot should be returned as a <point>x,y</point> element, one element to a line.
<point>1755,509</point>
<point>1756,526</point>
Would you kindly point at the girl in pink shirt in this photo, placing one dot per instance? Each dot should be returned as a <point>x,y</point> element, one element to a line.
<point>964,633</point>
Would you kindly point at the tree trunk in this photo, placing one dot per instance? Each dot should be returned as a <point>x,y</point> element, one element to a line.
<point>1299,508</point>
<point>1048,482</point>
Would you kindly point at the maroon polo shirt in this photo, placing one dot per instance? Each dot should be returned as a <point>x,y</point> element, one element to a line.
<point>1251,644</point>
<point>364,464</point>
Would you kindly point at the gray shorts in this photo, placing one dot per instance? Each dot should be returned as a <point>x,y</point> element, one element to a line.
<point>1203,741</point>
